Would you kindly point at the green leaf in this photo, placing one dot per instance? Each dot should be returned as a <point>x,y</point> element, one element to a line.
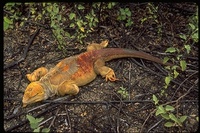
<point>90,24</point>
<point>169,124</point>
<point>55,9</point>
<point>188,48</point>
<point>30,118</point>
<point>155,99</point>
<point>45,130</point>
<point>165,60</point>
<point>160,110</point>
<point>111,4</point>
<point>128,12</point>
<point>183,65</point>
<point>53,24</point>
<point>72,25</point>
<point>192,26</point>
<point>197,118</point>
<point>80,7</point>
<point>34,125</point>
<point>173,117</point>
<point>182,118</point>
<point>122,11</point>
<point>49,8</point>
<point>59,17</point>
<point>171,50</point>
<point>79,23</point>
<point>166,116</point>
<point>72,15</point>
<point>169,108</point>
<point>167,80</point>
<point>195,36</point>
<point>39,119</point>
<point>5,26</point>
<point>37,130</point>
<point>7,20</point>
<point>129,22</point>
<point>67,34</point>
<point>175,74</point>
<point>183,36</point>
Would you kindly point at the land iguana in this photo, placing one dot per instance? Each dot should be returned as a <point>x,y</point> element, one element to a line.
<point>78,70</point>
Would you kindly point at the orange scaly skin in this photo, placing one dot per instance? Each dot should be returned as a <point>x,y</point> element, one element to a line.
<point>76,71</point>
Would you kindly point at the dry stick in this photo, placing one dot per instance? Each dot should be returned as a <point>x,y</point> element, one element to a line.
<point>25,52</point>
<point>33,109</point>
<point>68,119</point>
<point>183,82</point>
<point>155,125</point>
<point>54,117</point>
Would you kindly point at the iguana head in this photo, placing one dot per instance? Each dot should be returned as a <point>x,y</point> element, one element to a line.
<point>33,93</point>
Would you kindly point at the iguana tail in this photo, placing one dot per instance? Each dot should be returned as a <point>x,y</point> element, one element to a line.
<point>114,53</point>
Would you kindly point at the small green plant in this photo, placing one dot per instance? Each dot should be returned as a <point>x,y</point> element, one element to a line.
<point>11,14</point>
<point>166,112</point>
<point>191,35</point>
<point>125,14</point>
<point>34,123</point>
<point>152,15</point>
<point>173,73</point>
<point>111,5</point>
<point>7,23</point>
<point>56,22</point>
<point>85,24</point>
<point>123,92</point>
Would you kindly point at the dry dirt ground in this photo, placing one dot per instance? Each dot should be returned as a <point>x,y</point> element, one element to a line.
<point>99,107</point>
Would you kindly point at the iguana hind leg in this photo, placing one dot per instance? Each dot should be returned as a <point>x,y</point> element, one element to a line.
<point>68,87</point>
<point>96,46</point>
<point>104,71</point>
<point>37,74</point>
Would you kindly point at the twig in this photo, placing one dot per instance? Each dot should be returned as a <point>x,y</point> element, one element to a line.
<point>25,52</point>
<point>98,102</point>
<point>54,117</point>
<point>155,125</point>
<point>183,82</point>
<point>46,121</point>
<point>68,119</point>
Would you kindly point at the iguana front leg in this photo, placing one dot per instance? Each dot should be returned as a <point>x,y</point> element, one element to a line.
<point>104,71</point>
<point>37,74</point>
<point>96,46</point>
<point>68,87</point>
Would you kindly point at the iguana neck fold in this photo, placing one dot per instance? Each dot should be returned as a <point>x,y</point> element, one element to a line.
<point>49,89</point>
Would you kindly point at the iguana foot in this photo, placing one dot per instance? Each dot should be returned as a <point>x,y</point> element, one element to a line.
<point>68,88</point>
<point>104,43</point>
<point>111,76</point>
<point>37,74</point>
<point>104,71</point>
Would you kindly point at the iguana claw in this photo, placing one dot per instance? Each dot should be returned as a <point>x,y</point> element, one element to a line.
<point>111,76</point>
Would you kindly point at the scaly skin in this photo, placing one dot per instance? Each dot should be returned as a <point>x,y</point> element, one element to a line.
<point>76,71</point>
